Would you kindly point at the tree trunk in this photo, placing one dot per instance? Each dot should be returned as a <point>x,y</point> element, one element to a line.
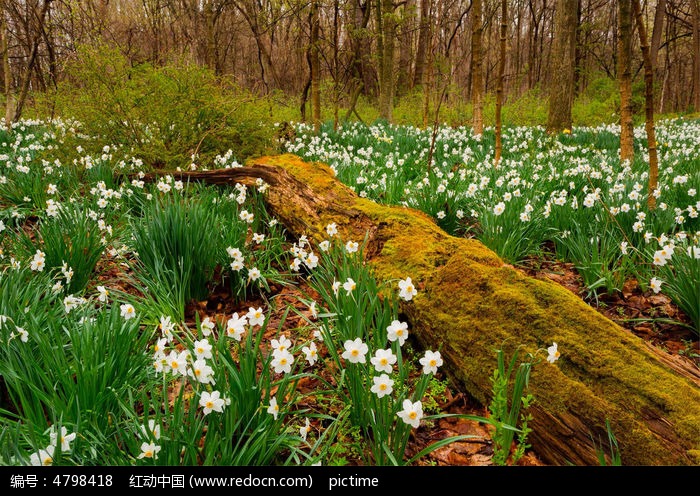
<point>695,5</point>
<point>7,75</point>
<point>315,69</point>
<point>499,83</point>
<point>32,60</point>
<point>423,43</point>
<point>561,92</point>
<point>470,303</point>
<point>624,76</point>
<point>386,67</point>
<point>477,96</point>
<point>648,106</point>
<point>408,22</point>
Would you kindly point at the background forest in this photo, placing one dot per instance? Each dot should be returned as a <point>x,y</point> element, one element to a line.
<point>399,60</point>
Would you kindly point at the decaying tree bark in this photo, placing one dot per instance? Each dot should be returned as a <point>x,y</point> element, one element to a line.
<point>470,303</point>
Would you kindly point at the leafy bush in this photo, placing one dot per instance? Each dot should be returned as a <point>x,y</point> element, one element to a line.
<point>163,115</point>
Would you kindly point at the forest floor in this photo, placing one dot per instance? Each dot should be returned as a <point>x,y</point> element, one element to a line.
<point>652,317</point>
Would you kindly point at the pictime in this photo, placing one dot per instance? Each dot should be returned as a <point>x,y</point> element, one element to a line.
<point>352,481</point>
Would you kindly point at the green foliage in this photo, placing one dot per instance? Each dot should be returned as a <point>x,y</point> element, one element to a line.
<point>508,408</point>
<point>169,116</point>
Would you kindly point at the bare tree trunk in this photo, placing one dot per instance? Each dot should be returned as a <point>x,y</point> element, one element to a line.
<point>561,93</point>
<point>649,105</point>
<point>499,84</point>
<point>477,96</point>
<point>7,75</point>
<point>695,5</point>
<point>336,63</point>
<point>624,76</point>
<point>315,69</point>
<point>408,21</point>
<point>386,69</point>
<point>656,32</point>
<point>423,42</point>
<point>32,60</point>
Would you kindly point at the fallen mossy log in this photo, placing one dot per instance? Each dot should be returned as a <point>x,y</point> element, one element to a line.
<point>470,304</point>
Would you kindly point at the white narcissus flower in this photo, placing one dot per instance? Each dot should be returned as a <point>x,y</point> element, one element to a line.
<point>406,289</point>
<point>355,351</point>
<point>383,385</point>
<point>311,353</point>
<point>202,349</point>
<point>274,408</point>
<point>64,439</point>
<point>235,327</point>
<point>397,331</point>
<point>127,311</point>
<point>351,246</point>
<point>655,284</point>
<point>151,430</point>
<point>282,362</point>
<point>202,372</point>
<point>211,402</point>
<point>553,353</point>
<point>431,361</point>
<point>255,316</point>
<point>207,326</point>
<point>412,413</point>
<point>349,285</point>
<point>305,429</point>
<point>149,450</point>
<point>42,457</point>
<point>383,360</point>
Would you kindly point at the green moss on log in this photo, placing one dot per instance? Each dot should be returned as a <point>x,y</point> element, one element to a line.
<point>470,304</point>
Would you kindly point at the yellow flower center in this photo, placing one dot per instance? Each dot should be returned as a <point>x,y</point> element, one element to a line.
<point>210,404</point>
<point>148,454</point>
<point>412,415</point>
<point>173,364</point>
<point>355,352</point>
<point>382,386</point>
<point>197,372</point>
<point>433,363</point>
<point>383,361</point>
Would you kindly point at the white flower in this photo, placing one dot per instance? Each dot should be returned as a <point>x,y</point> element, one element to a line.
<point>280,345</point>
<point>207,326</point>
<point>355,351</point>
<point>406,289</point>
<point>331,229</point>
<point>349,285</point>
<point>305,429</point>
<point>499,208</point>
<point>39,261</point>
<point>431,361</point>
<point>178,362</point>
<point>324,245</point>
<point>282,362</point>
<point>258,238</point>
<point>42,457</point>
<point>311,353</point>
<point>383,385</point>
<point>383,360</point>
<point>201,372</point>
<point>22,333</point>
<point>166,327</point>
<point>202,349</point>
<point>234,252</point>
<point>255,316</point>
<point>655,284</point>
<point>127,311</point>
<point>235,327</point>
<point>273,409</point>
<point>397,331</point>
<point>64,439</point>
<point>151,430</point>
<point>149,450</point>
<point>102,294</point>
<point>253,274</point>
<point>412,413</point>
<point>351,246</point>
<point>553,353</point>
<point>211,402</point>
<point>336,287</point>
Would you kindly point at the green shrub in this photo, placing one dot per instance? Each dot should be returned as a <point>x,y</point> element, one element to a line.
<point>163,115</point>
